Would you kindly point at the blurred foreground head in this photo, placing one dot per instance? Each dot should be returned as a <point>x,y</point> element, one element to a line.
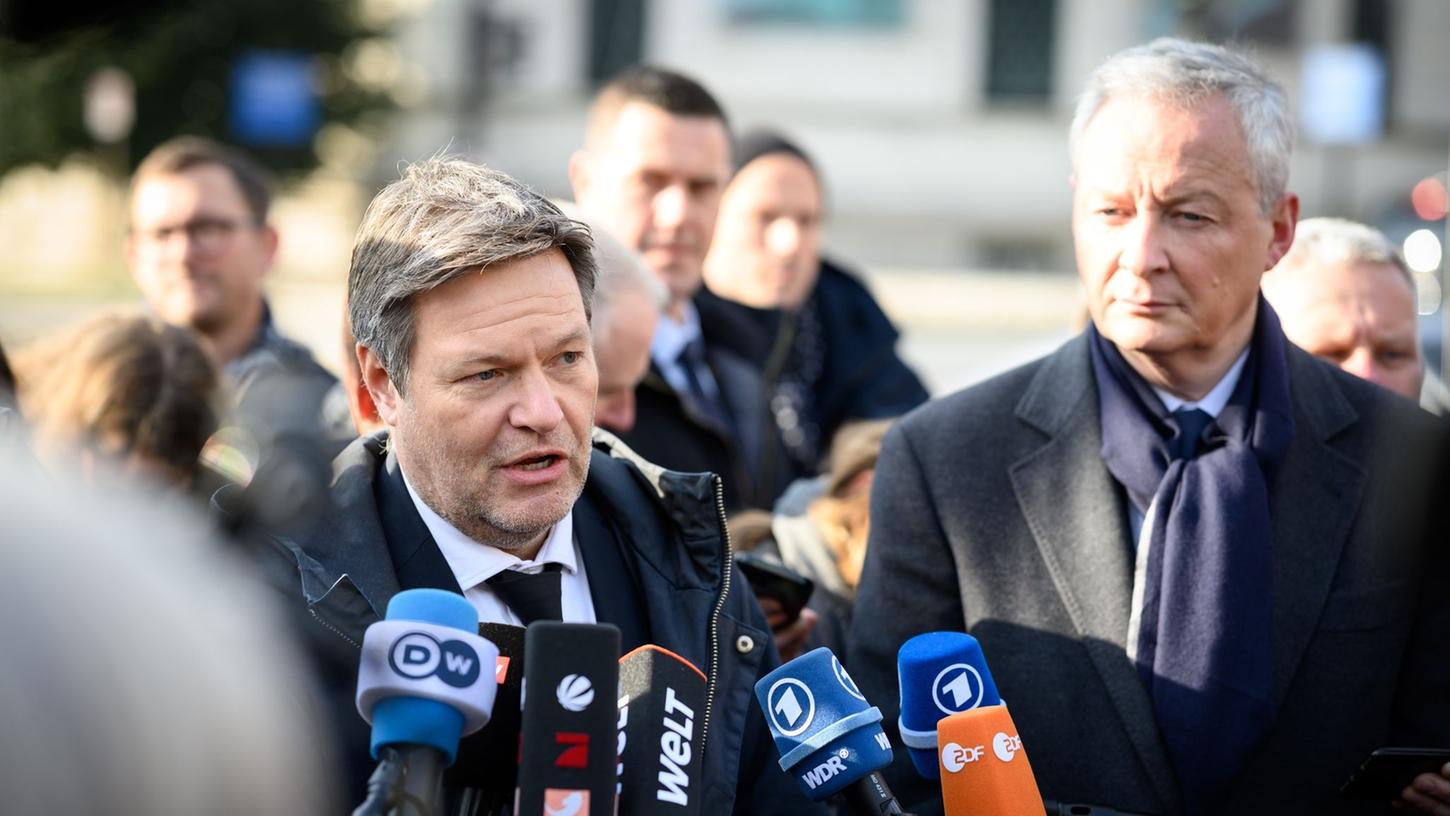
<point>1344,294</point>
<point>122,391</point>
<point>144,673</point>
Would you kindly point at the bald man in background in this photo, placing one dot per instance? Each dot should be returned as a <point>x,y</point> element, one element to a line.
<point>1344,294</point>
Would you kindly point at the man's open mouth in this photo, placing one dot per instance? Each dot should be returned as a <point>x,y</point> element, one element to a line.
<point>536,463</point>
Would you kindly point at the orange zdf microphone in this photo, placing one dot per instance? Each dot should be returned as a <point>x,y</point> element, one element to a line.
<point>661,698</point>
<point>984,769</point>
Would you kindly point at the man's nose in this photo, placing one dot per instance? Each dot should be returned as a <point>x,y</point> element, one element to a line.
<point>537,406</point>
<point>1361,363</point>
<point>1143,250</point>
<point>783,237</point>
<point>671,206</point>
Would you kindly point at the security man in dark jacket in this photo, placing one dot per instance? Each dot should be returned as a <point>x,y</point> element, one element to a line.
<point>655,159</point>
<point>469,296</point>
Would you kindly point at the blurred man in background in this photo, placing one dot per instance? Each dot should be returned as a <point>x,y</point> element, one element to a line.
<point>655,159</point>
<point>1344,294</point>
<point>1193,554</point>
<point>628,300</point>
<point>831,351</point>
<point>199,248</point>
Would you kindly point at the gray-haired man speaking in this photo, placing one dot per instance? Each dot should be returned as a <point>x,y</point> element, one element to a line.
<point>470,297</point>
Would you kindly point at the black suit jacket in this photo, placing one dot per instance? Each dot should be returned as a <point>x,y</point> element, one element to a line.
<point>669,430</point>
<point>993,512</point>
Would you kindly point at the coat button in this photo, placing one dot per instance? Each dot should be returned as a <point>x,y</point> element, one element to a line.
<point>745,644</point>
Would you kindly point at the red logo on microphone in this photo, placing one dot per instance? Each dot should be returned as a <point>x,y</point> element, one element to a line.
<point>577,754</point>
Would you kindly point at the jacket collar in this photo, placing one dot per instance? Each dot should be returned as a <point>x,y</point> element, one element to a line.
<point>348,574</point>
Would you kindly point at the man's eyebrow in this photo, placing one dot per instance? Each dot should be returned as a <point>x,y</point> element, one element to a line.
<point>576,336</point>
<point>1192,194</point>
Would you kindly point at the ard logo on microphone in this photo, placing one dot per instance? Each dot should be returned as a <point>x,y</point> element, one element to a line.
<point>958,687</point>
<point>419,655</point>
<point>792,706</point>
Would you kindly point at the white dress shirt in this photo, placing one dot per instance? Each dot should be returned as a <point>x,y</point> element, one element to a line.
<point>474,563</point>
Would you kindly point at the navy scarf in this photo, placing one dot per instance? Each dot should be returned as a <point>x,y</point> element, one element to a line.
<point>1204,644</point>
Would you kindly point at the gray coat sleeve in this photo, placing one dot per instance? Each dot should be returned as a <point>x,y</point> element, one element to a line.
<point>908,586</point>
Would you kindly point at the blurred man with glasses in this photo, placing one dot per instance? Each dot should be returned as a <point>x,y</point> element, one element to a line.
<point>199,248</point>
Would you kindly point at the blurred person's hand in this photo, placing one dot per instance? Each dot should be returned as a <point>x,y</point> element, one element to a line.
<point>1429,793</point>
<point>790,638</point>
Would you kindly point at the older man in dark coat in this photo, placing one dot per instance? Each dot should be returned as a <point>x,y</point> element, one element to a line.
<point>1187,547</point>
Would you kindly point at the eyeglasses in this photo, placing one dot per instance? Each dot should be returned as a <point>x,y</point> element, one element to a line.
<point>205,232</point>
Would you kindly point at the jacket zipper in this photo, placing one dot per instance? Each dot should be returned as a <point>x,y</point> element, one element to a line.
<point>719,609</point>
<point>333,629</point>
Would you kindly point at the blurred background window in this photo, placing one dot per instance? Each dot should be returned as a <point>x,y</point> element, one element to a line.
<point>824,12</point>
<point>1019,52</point>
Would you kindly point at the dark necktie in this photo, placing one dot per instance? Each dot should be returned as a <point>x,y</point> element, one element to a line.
<point>692,356</point>
<point>531,596</point>
<point>1191,423</point>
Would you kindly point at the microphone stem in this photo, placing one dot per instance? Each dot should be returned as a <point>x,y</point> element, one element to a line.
<point>419,792</point>
<point>870,796</point>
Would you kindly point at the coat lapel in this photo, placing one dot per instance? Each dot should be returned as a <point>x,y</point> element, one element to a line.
<point>1312,506</point>
<point>1078,517</point>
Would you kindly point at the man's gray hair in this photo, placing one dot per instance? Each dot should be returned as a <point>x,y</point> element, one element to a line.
<point>1323,241</point>
<point>446,218</point>
<point>1185,73</point>
<point>621,273</point>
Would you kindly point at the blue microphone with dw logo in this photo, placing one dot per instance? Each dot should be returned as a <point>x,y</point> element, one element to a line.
<point>940,674</point>
<point>828,736</point>
<point>425,679</point>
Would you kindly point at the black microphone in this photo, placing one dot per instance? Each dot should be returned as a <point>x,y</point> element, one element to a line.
<point>828,736</point>
<point>424,680</point>
<point>567,753</point>
<point>487,769</point>
<point>661,696</point>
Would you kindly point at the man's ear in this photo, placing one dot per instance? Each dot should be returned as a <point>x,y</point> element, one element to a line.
<point>579,175</point>
<point>379,385</point>
<point>1284,218</point>
<point>268,234</point>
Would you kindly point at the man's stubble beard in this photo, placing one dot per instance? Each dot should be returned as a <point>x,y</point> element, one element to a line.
<point>487,525</point>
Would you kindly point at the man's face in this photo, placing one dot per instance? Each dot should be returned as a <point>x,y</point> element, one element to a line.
<point>767,243</point>
<point>1361,317</point>
<point>623,358</point>
<point>195,249</point>
<point>654,181</point>
<point>1169,238</point>
<point>494,431</point>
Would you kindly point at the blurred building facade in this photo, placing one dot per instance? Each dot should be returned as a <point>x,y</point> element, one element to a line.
<point>940,124</point>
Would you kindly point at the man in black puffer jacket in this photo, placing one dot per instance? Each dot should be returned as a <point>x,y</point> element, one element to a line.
<point>469,296</point>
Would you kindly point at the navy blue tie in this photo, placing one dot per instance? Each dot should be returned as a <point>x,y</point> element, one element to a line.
<point>691,356</point>
<point>1190,423</point>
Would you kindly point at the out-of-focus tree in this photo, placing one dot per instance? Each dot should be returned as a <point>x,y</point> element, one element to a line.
<point>265,74</point>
